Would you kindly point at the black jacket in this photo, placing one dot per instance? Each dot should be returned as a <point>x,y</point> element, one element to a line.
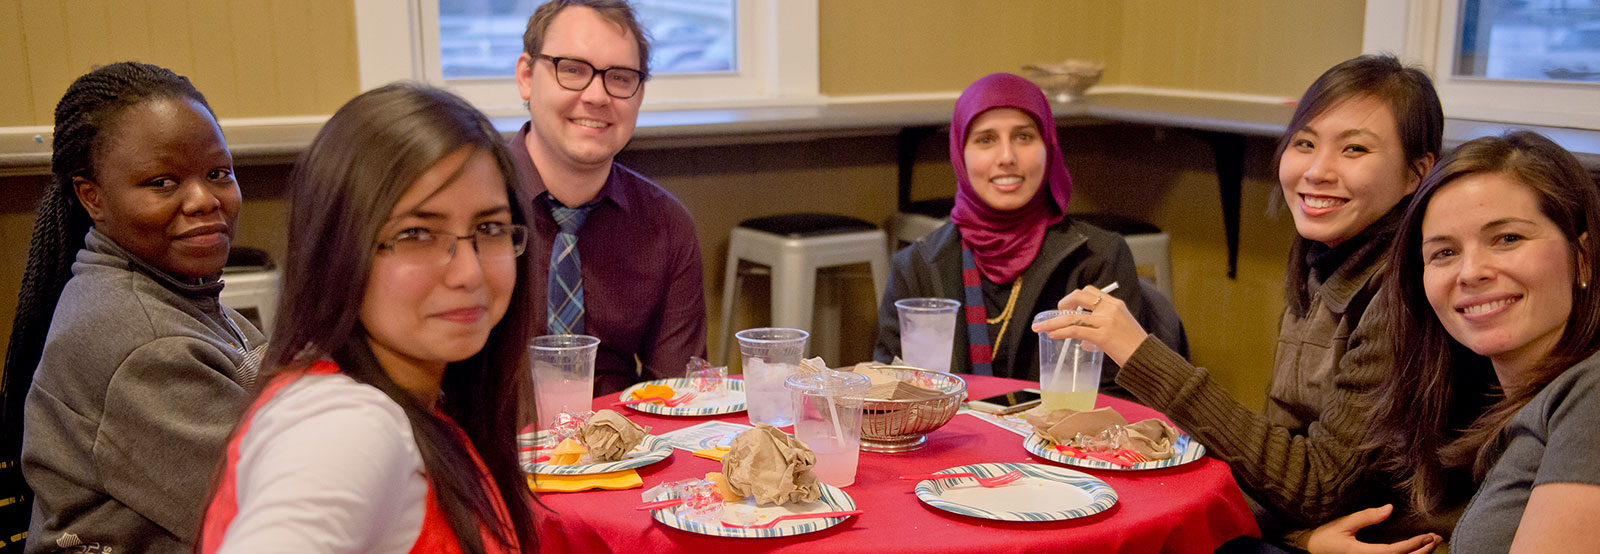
<point>1074,254</point>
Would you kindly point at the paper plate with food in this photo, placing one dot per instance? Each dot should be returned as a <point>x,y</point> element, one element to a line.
<point>1102,439</point>
<point>766,489</point>
<point>584,444</point>
<point>1035,493</point>
<point>670,397</point>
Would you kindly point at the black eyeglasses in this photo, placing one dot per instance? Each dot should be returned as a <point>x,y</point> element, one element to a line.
<point>576,74</point>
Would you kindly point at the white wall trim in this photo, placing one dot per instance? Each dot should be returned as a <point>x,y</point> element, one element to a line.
<point>389,27</point>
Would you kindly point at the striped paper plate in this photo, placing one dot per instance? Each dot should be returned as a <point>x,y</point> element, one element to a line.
<point>731,399</point>
<point>1045,493</point>
<point>1187,448</point>
<point>650,450</point>
<point>832,500</point>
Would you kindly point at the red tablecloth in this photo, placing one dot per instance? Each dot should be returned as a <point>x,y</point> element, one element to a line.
<point>1190,508</point>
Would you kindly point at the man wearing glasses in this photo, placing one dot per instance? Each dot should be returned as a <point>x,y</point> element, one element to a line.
<point>615,256</point>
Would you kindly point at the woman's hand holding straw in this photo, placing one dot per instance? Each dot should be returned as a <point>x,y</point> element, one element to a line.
<point>1109,326</point>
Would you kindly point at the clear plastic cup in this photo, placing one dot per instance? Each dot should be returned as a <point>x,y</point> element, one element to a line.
<point>770,355</point>
<point>1069,369</point>
<point>827,417</point>
<point>927,332</point>
<point>563,375</point>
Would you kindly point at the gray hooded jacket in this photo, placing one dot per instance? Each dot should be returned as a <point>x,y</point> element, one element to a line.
<point>142,378</point>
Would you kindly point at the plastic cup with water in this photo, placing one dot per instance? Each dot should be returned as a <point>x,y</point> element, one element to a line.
<point>1069,369</point>
<point>927,331</point>
<point>563,375</point>
<point>770,355</point>
<point>827,417</point>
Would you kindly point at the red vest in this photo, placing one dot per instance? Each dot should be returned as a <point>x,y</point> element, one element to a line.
<point>436,535</point>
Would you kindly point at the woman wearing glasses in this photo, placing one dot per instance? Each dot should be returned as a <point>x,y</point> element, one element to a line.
<point>387,422</point>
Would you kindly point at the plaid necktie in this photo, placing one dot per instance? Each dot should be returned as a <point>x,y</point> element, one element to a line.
<point>565,288</point>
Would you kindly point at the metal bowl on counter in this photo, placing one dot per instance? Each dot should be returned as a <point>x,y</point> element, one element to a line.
<point>902,425</point>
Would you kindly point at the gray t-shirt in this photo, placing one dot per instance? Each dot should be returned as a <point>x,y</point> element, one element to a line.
<point>1551,440</point>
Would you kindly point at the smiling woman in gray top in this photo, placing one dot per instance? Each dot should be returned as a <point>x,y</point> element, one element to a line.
<point>1495,267</point>
<point>141,372</point>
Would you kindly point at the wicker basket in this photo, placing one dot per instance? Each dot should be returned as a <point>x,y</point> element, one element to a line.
<point>901,425</point>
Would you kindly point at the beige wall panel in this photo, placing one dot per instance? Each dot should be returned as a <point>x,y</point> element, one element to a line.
<point>898,46</point>
<point>250,58</point>
<point>213,68</point>
<point>14,92</point>
<point>1246,46</point>
<point>172,36</point>
<point>129,31</point>
<point>333,79</point>
<point>86,34</point>
<point>43,30</point>
<point>252,61</point>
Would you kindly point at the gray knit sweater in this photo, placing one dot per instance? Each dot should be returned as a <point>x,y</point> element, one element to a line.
<point>142,378</point>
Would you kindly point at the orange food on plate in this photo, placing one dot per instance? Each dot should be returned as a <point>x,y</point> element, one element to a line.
<point>658,391</point>
<point>721,481</point>
<point>567,453</point>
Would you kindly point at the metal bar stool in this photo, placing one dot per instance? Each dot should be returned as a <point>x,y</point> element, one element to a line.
<point>794,247</point>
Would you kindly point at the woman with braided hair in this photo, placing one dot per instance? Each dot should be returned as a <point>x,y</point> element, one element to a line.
<point>135,372</point>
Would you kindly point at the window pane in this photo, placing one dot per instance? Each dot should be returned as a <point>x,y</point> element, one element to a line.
<point>1557,40</point>
<point>482,38</point>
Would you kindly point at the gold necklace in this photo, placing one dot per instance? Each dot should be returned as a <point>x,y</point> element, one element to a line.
<point>1004,319</point>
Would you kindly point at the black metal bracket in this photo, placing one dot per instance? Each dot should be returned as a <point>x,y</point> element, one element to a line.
<point>905,144</point>
<point>1228,151</point>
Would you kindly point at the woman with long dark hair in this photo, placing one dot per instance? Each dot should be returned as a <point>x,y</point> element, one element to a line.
<point>1497,326</point>
<point>1361,139</point>
<point>389,418</point>
<point>141,371</point>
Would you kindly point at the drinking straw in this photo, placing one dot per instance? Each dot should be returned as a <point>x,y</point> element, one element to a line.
<point>1061,358</point>
<point>833,408</point>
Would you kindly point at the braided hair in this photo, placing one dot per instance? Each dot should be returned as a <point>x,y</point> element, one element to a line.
<point>83,119</point>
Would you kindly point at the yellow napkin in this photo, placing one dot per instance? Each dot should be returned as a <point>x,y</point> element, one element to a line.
<point>711,453</point>
<point>613,481</point>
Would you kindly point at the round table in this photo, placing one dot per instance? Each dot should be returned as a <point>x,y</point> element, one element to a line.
<point>1189,508</point>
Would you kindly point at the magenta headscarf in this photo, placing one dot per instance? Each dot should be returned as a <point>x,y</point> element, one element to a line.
<point>1004,243</point>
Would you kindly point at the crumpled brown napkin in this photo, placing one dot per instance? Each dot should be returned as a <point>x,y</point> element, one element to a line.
<point>610,436</point>
<point>1151,438</point>
<point>771,466</point>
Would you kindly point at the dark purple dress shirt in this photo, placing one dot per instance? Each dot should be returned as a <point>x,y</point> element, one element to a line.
<point>643,292</point>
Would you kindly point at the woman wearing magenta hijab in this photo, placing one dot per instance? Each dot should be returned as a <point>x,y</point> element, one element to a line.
<point>1010,229</point>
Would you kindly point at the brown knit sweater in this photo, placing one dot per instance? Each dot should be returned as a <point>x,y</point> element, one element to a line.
<point>1299,460</point>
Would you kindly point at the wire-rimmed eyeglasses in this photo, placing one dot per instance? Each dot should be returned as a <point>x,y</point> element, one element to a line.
<point>492,241</point>
<point>575,74</point>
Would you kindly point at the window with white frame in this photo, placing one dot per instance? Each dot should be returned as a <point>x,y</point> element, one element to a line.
<point>704,53</point>
<point>1533,62</point>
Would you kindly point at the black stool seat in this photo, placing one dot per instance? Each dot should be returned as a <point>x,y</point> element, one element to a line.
<point>1124,226</point>
<point>937,208</point>
<point>801,225</point>
<point>245,258</point>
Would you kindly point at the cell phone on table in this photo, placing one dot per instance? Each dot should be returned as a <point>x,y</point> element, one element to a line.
<point>1008,403</point>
